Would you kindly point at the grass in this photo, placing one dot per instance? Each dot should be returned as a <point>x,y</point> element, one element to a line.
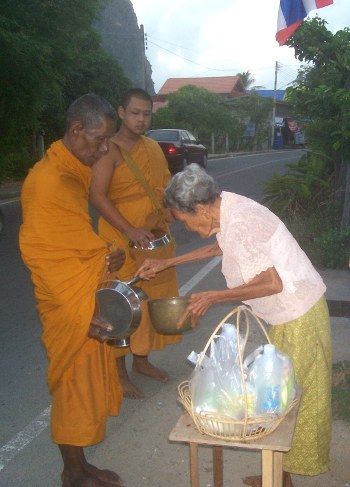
<point>341,390</point>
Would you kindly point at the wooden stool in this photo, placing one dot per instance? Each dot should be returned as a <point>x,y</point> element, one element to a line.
<point>272,447</point>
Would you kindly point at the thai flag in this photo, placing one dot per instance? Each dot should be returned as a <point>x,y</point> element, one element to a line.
<point>291,13</point>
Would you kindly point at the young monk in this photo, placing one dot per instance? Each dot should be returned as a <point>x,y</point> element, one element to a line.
<point>129,213</point>
<point>66,259</point>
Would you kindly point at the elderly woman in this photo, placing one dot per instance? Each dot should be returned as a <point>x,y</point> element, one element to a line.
<point>265,268</point>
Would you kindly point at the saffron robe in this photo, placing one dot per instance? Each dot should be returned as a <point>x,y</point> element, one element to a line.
<point>132,201</point>
<point>66,259</point>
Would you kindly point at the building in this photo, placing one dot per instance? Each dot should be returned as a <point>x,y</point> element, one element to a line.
<point>225,86</point>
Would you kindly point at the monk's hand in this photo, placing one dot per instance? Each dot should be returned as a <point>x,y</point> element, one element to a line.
<point>99,329</point>
<point>151,267</point>
<point>199,304</point>
<point>115,260</point>
<point>140,237</point>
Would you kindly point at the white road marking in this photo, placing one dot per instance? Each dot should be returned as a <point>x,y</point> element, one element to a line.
<point>8,202</point>
<point>191,283</point>
<point>35,427</point>
<point>235,156</point>
<point>227,173</point>
<point>24,437</point>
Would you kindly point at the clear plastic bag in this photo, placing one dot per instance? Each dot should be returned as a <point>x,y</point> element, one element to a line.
<point>266,387</point>
<point>216,384</point>
<point>272,376</point>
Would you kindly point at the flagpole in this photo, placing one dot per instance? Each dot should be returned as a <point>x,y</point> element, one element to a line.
<point>274,107</point>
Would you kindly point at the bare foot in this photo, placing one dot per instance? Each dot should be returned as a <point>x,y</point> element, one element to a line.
<point>83,480</point>
<point>287,480</point>
<point>253,481</point>
<point>141,365</point>
<point>129,389</point>
<point>256,481</point>
<point>106,476</point>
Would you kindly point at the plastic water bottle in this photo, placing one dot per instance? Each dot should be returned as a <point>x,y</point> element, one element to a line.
<point>268,381</point>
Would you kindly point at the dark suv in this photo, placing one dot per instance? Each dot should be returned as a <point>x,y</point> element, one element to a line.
<point>180,148</point>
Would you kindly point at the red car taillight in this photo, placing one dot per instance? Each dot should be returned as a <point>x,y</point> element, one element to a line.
<point>171,149</point>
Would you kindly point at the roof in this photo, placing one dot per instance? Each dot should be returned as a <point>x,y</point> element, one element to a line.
<point>229,85</point>
<point>270,94</point>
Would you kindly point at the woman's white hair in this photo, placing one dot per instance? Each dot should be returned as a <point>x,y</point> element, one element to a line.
<point>189,188</point>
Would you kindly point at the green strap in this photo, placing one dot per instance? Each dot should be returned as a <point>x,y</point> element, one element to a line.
<point>140,177</point>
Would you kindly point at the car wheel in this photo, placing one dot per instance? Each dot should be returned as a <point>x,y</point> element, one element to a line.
<point>204,160</point>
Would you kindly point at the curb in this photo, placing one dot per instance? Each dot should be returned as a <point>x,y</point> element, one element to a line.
<point>236,154</point>
<point>8,193</point>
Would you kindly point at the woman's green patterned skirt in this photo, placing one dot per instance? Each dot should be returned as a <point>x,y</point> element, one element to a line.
<point>307,341</point>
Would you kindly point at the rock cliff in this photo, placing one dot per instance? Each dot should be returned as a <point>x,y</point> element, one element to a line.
<point>123,39</point>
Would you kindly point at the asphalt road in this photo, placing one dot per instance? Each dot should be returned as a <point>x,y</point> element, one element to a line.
<point>23,393</point>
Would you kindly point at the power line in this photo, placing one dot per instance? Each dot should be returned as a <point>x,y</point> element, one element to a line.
<point>190,60</point>
<point>172,44</point>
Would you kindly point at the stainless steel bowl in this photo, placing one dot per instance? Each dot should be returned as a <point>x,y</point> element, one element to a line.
<point>161,238</point>
<point>166,312</point>
<point>120,304</point>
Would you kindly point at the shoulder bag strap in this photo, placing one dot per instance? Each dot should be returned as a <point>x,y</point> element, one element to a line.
<point>140,177</point>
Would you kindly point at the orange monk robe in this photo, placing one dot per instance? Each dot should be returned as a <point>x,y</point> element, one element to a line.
<point>66,259</point>
<point>130,198</point>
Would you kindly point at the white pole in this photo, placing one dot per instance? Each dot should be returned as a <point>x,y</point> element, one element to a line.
<point>144,58</point>
<point>274,107</point>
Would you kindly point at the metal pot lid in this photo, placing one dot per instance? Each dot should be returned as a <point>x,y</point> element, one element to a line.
<point>116,309</point>
<point>119,304</point>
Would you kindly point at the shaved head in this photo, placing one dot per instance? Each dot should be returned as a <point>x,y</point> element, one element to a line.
<point>90,110</point>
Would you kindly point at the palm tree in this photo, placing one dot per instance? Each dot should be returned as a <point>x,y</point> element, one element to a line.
<point>248,79</point>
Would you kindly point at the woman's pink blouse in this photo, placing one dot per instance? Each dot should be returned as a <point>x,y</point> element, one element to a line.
<point>252,239</point>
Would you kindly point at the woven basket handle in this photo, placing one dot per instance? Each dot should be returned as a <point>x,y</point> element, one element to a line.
<point>219,326</point>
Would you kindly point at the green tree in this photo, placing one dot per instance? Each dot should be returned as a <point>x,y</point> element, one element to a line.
<point>256,110</point>
<point>321,98</point>
<point>49,54</point>
<point>313,188</point>
<point>248,80</point>
<point>198,110</point>
<point>163,118</point>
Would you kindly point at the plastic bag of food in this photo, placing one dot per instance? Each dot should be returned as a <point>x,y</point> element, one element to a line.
<point>216,382</point>
<point>271,374</point>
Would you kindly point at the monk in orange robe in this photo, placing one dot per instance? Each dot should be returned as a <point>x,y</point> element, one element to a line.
<point>66,259</point>
<point>129,213</point>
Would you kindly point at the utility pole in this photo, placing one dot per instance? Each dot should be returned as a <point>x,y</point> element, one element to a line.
<point>144,49</point>
<point>274,107</point>
<point>345,221</point>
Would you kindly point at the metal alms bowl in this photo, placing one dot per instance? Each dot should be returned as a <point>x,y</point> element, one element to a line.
<point>119,303</point>
<point>161,238</point>
<point>166,312</point>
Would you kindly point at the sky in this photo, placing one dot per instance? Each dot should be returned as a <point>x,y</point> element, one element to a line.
<point>222,38</point>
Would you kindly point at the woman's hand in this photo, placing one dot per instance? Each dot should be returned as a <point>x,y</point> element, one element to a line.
<point>115,260</point>
<point>151,267</point>
<point>140,236</point>
<point>199,304</point>
<point>99,329</point>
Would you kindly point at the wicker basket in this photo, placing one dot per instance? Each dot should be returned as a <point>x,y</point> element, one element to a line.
<point>247,429</point>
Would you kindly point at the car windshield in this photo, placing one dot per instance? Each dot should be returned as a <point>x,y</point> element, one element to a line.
<point>166,135</point>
